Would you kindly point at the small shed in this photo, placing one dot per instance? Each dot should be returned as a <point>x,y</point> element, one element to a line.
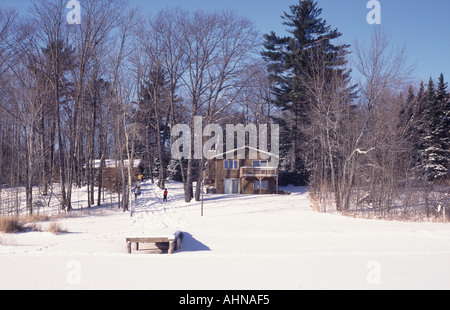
<point>111,173</point>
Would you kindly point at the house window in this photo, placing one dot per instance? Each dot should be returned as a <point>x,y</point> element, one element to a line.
<point>260,163</point>
<point>231,164</point>
<point>261,184</point>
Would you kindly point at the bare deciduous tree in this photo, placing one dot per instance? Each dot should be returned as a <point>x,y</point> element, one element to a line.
<point>220,50</point>
<point>384,71</point>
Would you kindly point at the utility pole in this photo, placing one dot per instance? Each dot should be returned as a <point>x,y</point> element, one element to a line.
<point>203,184</point>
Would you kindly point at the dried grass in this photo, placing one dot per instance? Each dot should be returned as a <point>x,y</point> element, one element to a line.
<point>10,224</point>
<point>56,228</point>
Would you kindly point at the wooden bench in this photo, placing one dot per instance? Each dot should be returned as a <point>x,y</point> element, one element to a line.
<point>174,241</point>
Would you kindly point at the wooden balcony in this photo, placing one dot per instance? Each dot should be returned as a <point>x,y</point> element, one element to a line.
<point>259,172</point>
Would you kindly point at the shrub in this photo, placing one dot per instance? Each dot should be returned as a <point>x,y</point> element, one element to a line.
<point>9,224</point>
<point>55,228</point>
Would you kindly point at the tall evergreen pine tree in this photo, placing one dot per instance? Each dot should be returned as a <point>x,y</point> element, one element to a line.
<point>443,127</point>
<point>434,135</point>
<point>288,61</point>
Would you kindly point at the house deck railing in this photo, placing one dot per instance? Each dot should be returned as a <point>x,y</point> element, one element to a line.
<point>258,172</point>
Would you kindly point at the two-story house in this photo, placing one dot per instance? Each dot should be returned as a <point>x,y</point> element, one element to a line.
<point>251,175</point>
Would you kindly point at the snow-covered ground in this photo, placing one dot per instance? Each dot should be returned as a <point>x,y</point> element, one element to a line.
<point>241,242</point>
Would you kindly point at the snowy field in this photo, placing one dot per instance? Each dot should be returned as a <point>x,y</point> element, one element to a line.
<point>242,242</point>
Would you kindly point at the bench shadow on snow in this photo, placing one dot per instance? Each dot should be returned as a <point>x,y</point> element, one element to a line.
<point>190,244</point>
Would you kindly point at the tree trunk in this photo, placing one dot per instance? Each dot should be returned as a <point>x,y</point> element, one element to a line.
<point>161,178</point>
<point>294,138</point>
<point>62,166</point>
<point>28,171</point>
<point>43,156</point>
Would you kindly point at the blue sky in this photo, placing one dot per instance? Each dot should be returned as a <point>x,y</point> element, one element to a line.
<point>422,26</point>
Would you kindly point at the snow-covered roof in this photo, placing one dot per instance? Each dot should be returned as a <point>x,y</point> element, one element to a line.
<point>243,147</point>
<point>114,163</point>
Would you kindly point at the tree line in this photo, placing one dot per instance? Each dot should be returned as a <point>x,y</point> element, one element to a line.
<point>367,140</point>
<point>114,86</point>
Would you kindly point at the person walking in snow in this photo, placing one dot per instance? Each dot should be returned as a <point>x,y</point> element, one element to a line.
<point>165,194</point>
<point>137,192</point>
